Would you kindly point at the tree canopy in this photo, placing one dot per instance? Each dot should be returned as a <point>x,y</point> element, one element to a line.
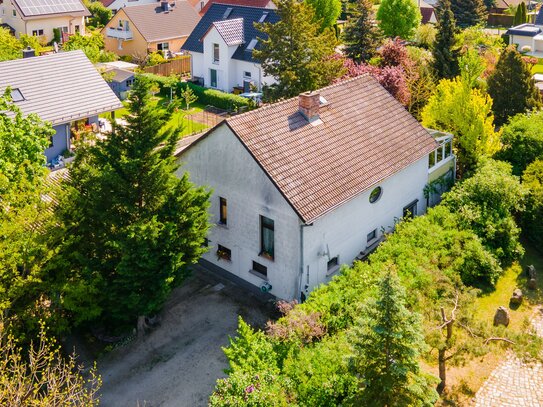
<point>326,12</point>
<point>361,36</point>
<point>296,53</point>
<point>469,13</point>
<point>467,113</point>
<point>512,87</point>
<point>399,18</point>
<point>132,225</point>
<point>444,47</point>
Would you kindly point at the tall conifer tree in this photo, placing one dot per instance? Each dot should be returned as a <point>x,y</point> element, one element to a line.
<point>469,12</point>
<point>445,53</point>
<point>134,225</point>
<point>361,36</point>
<point>512,87</point>
<point>387,342</point>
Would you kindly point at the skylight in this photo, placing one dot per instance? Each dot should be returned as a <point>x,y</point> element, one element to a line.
<point>263,17</point>
<point>227,12</point>
<point>252,44</point>
<point>16,95</point>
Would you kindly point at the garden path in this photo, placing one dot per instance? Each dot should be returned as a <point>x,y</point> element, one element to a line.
<point>515,383</point>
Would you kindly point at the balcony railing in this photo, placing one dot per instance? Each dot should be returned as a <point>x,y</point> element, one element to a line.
<point>119,33</point>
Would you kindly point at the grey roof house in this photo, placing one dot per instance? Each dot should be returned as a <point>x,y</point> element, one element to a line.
<point>528,37</point>
<point>64,89</point>
<point>222,47</point>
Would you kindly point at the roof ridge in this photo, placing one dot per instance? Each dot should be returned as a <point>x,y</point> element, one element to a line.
<point>240,5</point>
<point>283,101</point>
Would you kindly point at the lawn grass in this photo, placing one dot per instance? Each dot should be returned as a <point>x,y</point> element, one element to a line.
<point>465,380</point>
<point>538,68</point>
<point>180,118</point>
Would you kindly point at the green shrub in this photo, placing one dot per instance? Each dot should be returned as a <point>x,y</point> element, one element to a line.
<point>487,203</point>
<point>532,219</point>
<point>522,140</point>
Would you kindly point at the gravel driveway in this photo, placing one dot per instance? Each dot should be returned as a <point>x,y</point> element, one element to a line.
<point>179,362</point>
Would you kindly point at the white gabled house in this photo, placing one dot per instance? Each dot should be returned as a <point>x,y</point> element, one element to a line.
<point>307,184</point>
<point>222,44</point>
<point>528,37</point>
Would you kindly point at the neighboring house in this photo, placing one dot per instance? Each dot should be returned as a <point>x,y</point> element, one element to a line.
<point>121,81</point>
<point>427,12</point>
<point>204,7</point>
<point>40,17</point>
<point>64,89</point>
<point>115,5</point>
<point>528,37</point>
<point>138,30</point>
<point>222,47</point>
<point>307,184</point>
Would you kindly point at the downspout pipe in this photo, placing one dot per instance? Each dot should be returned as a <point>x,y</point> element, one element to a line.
<point>300,285</point>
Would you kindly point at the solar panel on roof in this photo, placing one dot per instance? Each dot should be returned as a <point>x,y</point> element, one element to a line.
<point>39,7</point>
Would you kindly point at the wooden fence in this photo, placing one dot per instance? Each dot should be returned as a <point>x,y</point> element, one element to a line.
<point>179,66</point>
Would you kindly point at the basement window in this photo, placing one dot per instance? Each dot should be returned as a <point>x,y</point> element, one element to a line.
<point>17,95</point>
<point>332,265</point>
<point>259,270</point>
<point>371,236</point>
<point>224,253</point>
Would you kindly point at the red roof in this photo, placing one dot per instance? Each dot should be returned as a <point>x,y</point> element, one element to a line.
<point>106,3</point>
<point>426,13</point>
<point>364,137</point>
<point>249,3</point>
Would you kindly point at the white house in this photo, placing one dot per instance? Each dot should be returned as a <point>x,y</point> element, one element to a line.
<point>40,17</point>
<point>307,184</point>
<point>528,37</point>
<point>222,47</point>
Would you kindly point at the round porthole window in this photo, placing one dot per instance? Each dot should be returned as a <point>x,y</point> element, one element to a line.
<point>376,194</point>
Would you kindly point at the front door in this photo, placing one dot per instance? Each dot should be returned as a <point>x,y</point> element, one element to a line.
<point>213,78</point>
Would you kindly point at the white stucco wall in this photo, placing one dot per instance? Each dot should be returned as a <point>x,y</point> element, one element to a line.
<point>230,72</point>
<point>221,162</point>
<point>343,232</point>
<point>522,41</point>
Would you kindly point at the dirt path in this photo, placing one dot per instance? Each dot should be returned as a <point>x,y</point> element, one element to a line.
<point>179,363</point>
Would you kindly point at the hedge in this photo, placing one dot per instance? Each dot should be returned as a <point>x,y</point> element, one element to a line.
<point>206,96</point>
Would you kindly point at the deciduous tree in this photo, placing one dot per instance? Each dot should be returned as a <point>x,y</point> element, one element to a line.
<point>132,225</point>
<point>296,53</point>
<point>467,113</point>
<point>399,18</point>
<point>512,87</point>
<point>361,36</point>
<point>326,12</point>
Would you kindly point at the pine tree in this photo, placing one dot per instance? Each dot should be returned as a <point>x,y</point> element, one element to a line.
<point>296,53</point>
<point>361,36</point>
<point>399,18</point>
<point>511,87</point>
<point>468,13</point>
<point>134,225</point>
<point>445,53</point>
<point>326,12</point>
<point>387,344</point>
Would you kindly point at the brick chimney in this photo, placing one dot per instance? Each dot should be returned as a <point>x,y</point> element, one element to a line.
<point>308,105</point>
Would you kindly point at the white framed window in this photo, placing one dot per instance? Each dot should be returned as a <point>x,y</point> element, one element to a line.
<point>163,46</point>
<point>37,33</point>
<point>213,78</point>
<point>259,270</point>
<point>247,74</point>
<point>215,53</point>
<point>333,265</point>
<point>371,236</point>
<point>14,13</point>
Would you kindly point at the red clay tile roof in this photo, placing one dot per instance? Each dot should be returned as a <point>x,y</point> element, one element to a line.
<point>365,136</point>
<point>106,3</point>
<point>248,3</point>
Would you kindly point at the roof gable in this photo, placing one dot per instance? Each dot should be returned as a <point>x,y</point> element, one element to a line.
<point>363,137</point>
<point>216,14</point>
<point>231,31</point>
<point>156,25</point>
<point>59,87</point>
